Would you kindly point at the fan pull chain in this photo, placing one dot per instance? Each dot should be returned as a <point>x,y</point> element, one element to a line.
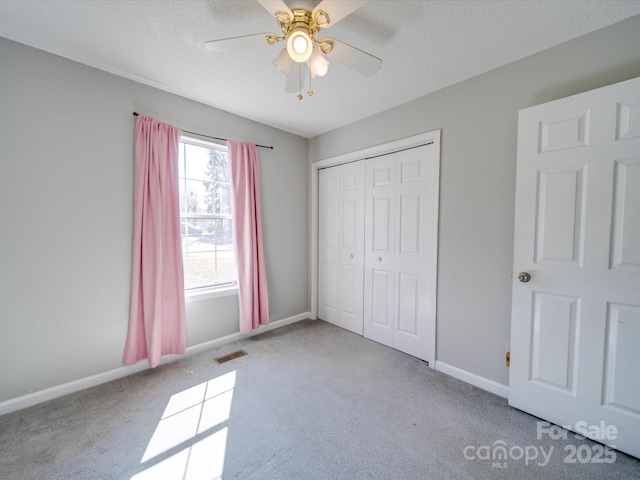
<point>300,81</point>
<point>310,91</point>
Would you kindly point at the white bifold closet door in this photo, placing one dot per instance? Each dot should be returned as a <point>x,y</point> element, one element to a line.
<point>377,248</point>
<point>341,244</point>
<point>400,245</point>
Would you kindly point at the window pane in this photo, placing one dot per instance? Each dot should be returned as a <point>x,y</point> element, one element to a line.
<point>208,253</point>
<point>221,200</point>
<point>192,196</point>
<point>207,241</point>
<point>196,159</point>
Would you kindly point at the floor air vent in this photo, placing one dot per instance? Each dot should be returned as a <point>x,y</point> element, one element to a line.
<point>230,356</point>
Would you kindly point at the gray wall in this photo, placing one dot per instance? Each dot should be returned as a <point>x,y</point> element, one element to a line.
<point>66,193</point>
<point>478,119</point>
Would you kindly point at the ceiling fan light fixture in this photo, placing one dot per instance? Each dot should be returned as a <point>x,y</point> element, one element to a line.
<point>283,62</point>
<point>323,71</point>
<point>299,45</point>
<point>318,65</point>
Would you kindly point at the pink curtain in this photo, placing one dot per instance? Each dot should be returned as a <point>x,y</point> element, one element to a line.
<point>247,234</point>
<point>156,317</point>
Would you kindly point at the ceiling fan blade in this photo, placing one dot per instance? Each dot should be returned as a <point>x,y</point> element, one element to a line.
<point>354,58</point>
<point>235,44</point>
<point>274,6</point>
<point>338,9</point>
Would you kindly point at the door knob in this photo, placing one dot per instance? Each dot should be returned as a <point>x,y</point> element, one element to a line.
<point>351,255</point>
<point>524,277</point>
<point>379,259</point>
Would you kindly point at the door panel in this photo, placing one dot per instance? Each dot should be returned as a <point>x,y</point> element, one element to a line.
<point>628,119</point>
<point>381,224</point>
<point>559,236</point>
<point>349,228</point>
<point>340,246</point>
<point>622,358</point>
<point>564,132</point>
<point>575,325</point>
<point>352,246</point>
<point>379,244</point>
<point>555,322</point>
<point>414,191</point>
<point>408,302</point>
<point>410,224</point>
<point>348,295</point>
<point>400,244</point>
<point>381,311</point>
<point>410,168</point>
<point>626,215</point>
<point>328,244</point>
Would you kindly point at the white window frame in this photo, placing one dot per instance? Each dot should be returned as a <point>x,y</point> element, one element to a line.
<point>211,291</point>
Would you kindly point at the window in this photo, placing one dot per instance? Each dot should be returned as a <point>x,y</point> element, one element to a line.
<point>205,215</point>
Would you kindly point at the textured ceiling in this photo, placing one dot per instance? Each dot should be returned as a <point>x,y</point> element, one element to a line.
<point>424,45</point>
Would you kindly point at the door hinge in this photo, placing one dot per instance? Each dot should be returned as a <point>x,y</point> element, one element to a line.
<point>507,357</point>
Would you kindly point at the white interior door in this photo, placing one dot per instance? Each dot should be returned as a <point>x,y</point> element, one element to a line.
<point>575,328</point>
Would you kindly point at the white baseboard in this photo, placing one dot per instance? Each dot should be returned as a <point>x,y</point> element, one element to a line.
<point>238,336</point>
<point>40,396</point>
<point>473,379</point>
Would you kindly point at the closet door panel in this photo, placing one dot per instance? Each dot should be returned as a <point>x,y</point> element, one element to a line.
<point>352,247</point>
<point>381,310</point>
<point>328,245</point>
<point>408,300</point>
<point>409,227</point>
<point>411,333</point>
<point>341,245</point>
<point>379,244</point>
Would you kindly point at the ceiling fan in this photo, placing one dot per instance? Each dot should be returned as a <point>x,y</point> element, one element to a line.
<point>301,25</point>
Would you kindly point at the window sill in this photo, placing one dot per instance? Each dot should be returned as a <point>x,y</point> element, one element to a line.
<point>200,294</point>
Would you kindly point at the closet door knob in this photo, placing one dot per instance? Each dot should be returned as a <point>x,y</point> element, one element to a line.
<point>351,255</point>
<point>379,259</point>
<point>524,277</point>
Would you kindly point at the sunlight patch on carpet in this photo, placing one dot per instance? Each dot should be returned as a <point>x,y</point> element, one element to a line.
<point>191,437</point>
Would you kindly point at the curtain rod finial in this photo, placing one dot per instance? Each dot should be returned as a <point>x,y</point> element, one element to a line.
<point>135,114</point>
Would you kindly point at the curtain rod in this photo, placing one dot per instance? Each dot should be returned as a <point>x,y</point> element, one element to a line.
<point>135,114</point>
